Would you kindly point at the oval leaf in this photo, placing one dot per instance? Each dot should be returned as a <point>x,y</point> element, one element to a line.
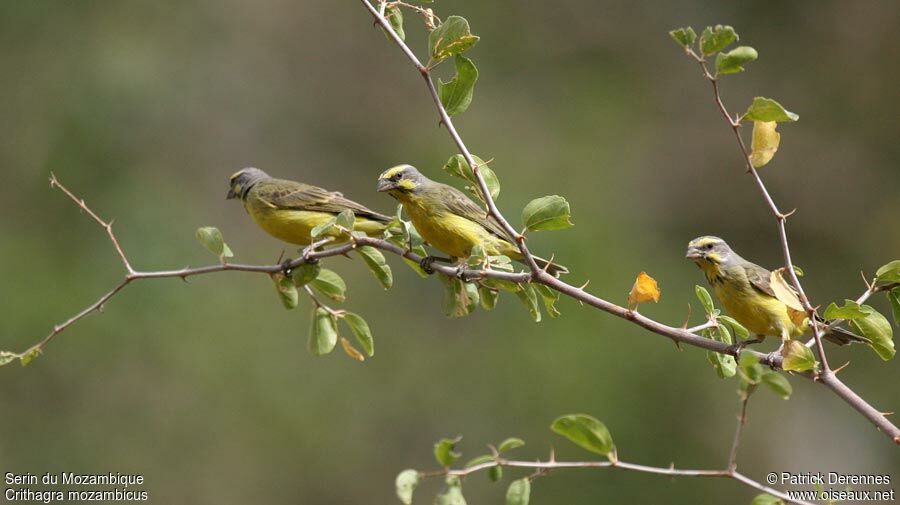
<point>287,291</point>
<point>458,167</point>
<point>212,240</point>
<point>877,329</point>
<point>330,284</point>
<point>778,383</point>
<point>766,109</point>
<point>519,492</point>
<point>889,272</point>
<point>705,299</point>
<point>323,335</point>
<point>456,95</point>
<point>351,351</point>
<point>528,296</point>
<point>444,451</point>
<point>406,483</point>
<point>797,357</point>
<point>378,265</point>
<point>509,444</point>
<point>684,36</point>
<point>714,39</point>
<point>586,432</point>
<point>361,331</point>
<point>733,61</point>
<point>304,273</point>
<point>547,213</point>
<point>452,37</point>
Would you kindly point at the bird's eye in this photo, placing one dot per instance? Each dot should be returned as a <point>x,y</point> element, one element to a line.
<point>708,246</point>
<point>396,177</point>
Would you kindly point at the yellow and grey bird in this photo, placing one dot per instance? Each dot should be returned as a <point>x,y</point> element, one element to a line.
<point>746,293</point>
<point>448,220</point>
<point>289,210</point>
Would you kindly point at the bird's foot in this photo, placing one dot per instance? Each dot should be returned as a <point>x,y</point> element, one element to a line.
<point>426,263</point>
<point>286,266</point>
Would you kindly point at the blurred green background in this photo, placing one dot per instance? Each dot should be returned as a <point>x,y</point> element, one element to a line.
<point>206,388</point>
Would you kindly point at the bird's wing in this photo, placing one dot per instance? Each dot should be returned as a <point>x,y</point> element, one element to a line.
<point>461,205</point>
<point>293,195</point>
<point>759,278</point>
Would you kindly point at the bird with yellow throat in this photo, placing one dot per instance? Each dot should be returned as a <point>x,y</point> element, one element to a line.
<point>289,210</point>
<point>745,291</point>
<point>448,219</point>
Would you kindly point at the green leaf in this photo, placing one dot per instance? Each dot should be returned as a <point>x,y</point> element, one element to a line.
<point>550,297</point>
<point>529,298</point>
<point>684,36</point>
<point>740,333</point>
<point>211,238</point>
<point>508,286</point>
<point>778,383</point>
<point>724,364</point>
<point>797,357</point>
<point>489,297</point>
<point>377,264</point>
<point>766,499</point>
<point>406,483</point>
<point>877,329</point>
<point>851,310</point>
<point>304,273</point>
<point>714,39</point>
<point>751,370</point>
<point>444,451</point>
<point>894,296</point>
<point>7,357</point>
<point>766,109</point>
<point>519,492</point>
<point>484,458</point>
<point>287,291</point>
<point>394,15</point>
<point>495,473</point>
<point>547,213</point>
<point>330,284</point>
<point>458,167</point>
<point>456,95</point>
<point>586,432</point>
<point>867,321</point>
<point>323,228</point>
<point>323,335</point>
<point>361,331</point>
<point>510,444</point>
<point>705,299</point>
<point>889,272</point>
<point>29,356</point>
<point>733,61</point>
<point>453,495</point>
<point>452,37</point>
<point>345,219</point>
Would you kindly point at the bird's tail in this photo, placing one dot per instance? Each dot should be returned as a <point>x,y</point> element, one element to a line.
<point>554,269</point>
<point>841,336</point>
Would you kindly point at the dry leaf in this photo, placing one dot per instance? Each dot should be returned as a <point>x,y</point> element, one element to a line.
<point>644,290</point>
<point>351,351</point>
<point>784,292</point>
<point>764,143</point>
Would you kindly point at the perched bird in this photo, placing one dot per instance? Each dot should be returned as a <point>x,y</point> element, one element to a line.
<point>448,220</point>
<point>745,290</point>
<point>289,210</point>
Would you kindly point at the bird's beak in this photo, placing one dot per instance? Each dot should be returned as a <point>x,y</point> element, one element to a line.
<point>385,185</point>
<point>693,254</point>
<point>231,194</point>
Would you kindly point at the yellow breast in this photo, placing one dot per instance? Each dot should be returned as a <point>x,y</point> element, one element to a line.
<point>294,226</point>
<point>451,234</point>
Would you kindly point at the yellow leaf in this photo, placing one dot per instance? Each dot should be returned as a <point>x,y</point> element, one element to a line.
<point>784,292</point>
<point>765,142</point>
<point>644,290</point>
<point>351,351</point>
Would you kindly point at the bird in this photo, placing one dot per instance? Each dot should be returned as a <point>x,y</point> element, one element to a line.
<point>289,210</point>
<point>449,220</point>
<point>745,291</point>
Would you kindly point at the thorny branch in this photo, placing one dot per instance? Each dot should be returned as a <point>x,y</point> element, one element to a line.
<point>537,275</point>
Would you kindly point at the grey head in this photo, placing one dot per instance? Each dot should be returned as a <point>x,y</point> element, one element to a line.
<point>710,249</point>
<point>241,181</point>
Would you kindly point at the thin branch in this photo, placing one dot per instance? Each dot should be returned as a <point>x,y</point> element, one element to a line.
<point>670,471</point>
<point>742,420</point>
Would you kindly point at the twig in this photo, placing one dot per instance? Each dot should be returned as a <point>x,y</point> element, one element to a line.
<point>742,420</point>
